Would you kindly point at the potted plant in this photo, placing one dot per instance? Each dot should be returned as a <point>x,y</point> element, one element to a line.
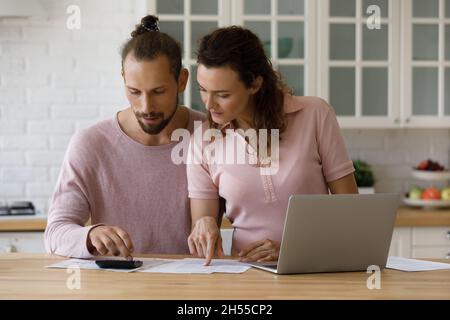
<point>364,177</point>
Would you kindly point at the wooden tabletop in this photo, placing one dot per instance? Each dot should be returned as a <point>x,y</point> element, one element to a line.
<point>23,276</point>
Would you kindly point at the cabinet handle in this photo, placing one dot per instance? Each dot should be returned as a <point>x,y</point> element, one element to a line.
<point>407,120</point>
<point>448,235</point>
<point>396,120</point>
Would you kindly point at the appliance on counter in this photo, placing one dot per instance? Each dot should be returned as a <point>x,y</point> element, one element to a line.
<point>17,208</point>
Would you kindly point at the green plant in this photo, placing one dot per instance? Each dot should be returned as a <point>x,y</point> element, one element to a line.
<point>363,174</point>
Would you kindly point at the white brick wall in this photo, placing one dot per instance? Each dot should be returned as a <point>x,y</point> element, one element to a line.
<point>54,81</point>
<point>393,153</point>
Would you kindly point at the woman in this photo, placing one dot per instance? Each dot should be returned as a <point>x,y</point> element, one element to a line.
<point>241,90</point>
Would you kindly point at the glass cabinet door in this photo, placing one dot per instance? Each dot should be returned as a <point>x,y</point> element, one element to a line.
<point>359,69</point>
<point>282,26</point>
<point>428,63</point>
<point>446,28</point>
<point>187,21</point>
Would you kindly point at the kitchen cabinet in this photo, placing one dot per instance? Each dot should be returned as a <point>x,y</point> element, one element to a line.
<point>421,242</point>
<point>187,21</point>
<point>287,33</point>
<point>380,63</point>
<point>227,237</point>
<point>386,73</point>
<point>26,242</point>
<point>359,61</point>
<point>22,234</point>
<point>426,62</point>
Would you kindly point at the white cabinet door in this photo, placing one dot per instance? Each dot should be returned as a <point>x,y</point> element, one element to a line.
<point>359,71</point>
<point>433,236</point>
<point>401,243</point>
<point>29,242</point>
<point>288,33</point>
<point>227,236</point>
<point>426,63</point>
<point>431,242</point>
<point>435,252</point>
<point>187,21</point>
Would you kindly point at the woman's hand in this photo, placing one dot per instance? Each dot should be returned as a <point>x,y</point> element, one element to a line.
<point>205,240</point>
<point>264,250</point>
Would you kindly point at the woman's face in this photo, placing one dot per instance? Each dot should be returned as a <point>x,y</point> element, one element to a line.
<point>224,94</point>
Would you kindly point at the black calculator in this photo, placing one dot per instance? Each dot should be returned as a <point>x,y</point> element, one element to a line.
<point>118,264</point>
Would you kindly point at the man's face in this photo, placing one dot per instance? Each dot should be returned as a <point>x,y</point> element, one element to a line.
<point>152,92</point>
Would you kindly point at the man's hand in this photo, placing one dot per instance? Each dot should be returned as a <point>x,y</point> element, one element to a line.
<point>205,239</point>
<point>264,250</point>
<point>105,240</point>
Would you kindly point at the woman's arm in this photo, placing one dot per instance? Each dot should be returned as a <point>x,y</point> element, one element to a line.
<point>205,239</point>
<point>345,184</point>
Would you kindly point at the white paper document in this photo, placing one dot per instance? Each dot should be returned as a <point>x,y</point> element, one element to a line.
<point>153,265</point>
<point>193,265</point>
<point>90,264</point>
<point>405,264</point>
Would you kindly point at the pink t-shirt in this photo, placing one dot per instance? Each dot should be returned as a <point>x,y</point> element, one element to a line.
<point>114,180</point>
<point>311,154</point>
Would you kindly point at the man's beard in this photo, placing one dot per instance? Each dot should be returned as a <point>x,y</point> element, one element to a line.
<point>156,128</point>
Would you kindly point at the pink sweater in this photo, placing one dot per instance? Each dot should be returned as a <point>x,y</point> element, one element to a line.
<point>114,180</point>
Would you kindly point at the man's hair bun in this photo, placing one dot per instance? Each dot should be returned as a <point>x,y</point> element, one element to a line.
<point>148,24</point>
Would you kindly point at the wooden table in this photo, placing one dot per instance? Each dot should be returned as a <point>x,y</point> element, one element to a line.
<point>23,276</point>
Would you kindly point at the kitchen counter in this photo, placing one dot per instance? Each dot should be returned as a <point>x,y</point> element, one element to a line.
<point>22,223</point>
<point>24,276</point>
<point>406,217</point>
<point>417,217</point>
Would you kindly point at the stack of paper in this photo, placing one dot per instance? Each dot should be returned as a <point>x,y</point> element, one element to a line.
<point>153,265</point>
<point>404,264</point>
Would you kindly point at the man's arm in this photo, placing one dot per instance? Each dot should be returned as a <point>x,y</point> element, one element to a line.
<point>66,234</point>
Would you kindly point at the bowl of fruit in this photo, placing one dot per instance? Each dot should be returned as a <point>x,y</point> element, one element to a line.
<point>431,170</point>
<point>430,197</point>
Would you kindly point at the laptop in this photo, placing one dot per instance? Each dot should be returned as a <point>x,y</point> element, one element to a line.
<point>335,233</point>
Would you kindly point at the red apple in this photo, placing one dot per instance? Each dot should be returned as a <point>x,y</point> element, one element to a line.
<point>422,165</point>
<point>431,193</point>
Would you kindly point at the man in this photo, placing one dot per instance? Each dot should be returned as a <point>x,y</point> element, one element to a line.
<point>119,172</point>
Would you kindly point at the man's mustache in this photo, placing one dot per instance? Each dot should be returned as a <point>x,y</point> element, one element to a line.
<point>150,115</point>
